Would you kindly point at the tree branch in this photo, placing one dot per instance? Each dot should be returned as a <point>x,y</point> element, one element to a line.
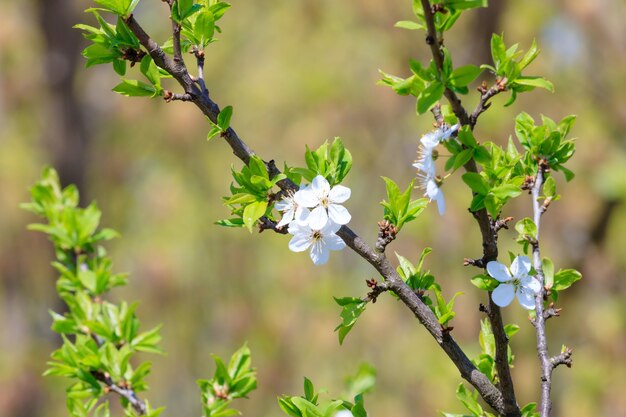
<point>422,312</point>
<point>540,319</point>
<point>488,232</point>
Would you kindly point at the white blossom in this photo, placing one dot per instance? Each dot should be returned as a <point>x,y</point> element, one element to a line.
<point>320,241</point>
<point>426,164</point>
<point>325,203</point>
<point>343,413</point>
<point>514,282</point>
<point>291,210</point>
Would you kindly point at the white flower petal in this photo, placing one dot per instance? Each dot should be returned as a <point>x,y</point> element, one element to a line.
<point>520,266</point>
<point>430,140</point>
<point>432,190</point>
<point>330,228</point>
<point>446,133</point>
<point>441,202</point>
<point>287,218</point>
<point>531,284</point>
<point>320,187</point>
<point>334,242</point>
<point>343,413</point>
<point>319,253</point>
<point>339,194</point>
<point>498,271</point>
<point>318,218</point>
<point>339,214</point>
<point>301,214</point>
<point>306,198</point>
<point>503,295</point>
<point>526,299</point>
<point>284,204</point>
<point>300,242</point>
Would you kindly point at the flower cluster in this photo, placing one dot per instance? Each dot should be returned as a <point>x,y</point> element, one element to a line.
<point>426,164</point>
<point>313,215</point>
<point>515,281</point>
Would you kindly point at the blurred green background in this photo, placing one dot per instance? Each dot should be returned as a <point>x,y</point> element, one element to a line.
<point>298,72</point>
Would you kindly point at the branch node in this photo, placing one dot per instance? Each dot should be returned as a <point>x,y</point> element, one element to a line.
<point>376,290</point>
<point>387,233</point>
<point>479,263</point>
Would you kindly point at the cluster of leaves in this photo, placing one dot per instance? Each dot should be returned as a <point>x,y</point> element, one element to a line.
<point>421,281</point>
<point>228,383</point>
<point>500,180</point>
<point>253,192</point>
<point>249,200</point>
<point>547,142</point>
<point>400,209</point>
<point>508,65</point>
<point>428,84</point>
<point>198,22</point>
<point>116,44</point>
<point>99,337</point>
<point>310,405</point>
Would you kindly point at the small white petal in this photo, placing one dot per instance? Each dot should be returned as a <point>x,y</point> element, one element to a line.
<point>526,299</point>
<point>441,202</point>
<point>299,243</point>
<point>339,214</point>
<point>283,205</point>
<point>520,266</point>
<point>318,218</point>
<point>430,140</point>
<point>498,271</point>
<point>339,194</point>
<point>334,242</point>
<point>503,295</point>
<point>319,253</point>
<point>343,413</point>
<point>287,218</point>
<point>320,187</point>
<point>445,134</point>
<point>330,228</point>
<point>432,190</point>
<point>532,284</point>
<point>306,198</point>
<point>301,214</point>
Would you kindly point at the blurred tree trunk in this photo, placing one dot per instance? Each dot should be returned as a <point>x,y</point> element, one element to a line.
<point>66,136</point>
<point>486,22</point>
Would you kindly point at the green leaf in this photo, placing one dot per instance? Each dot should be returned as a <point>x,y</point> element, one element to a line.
<point>464,75</point>
<point>506,191</point>
<point>469,400</point>
<point>476,182</point>
<point>485,282</point>
<point>253,212</point>
<point>549,187</point>
<point>352,308</point>
<point>409,24</point>
<point>548,272</point>
<point>223,119</point>
<point>429,97</point>
<point>565,278</point>
<point>464,4</point>
<point>535,82</point>
<point>463,158</point>
<point>134,88</point>
<point>526,227</point>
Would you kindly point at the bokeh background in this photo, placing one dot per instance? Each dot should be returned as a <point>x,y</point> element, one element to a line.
<point>298,72</point>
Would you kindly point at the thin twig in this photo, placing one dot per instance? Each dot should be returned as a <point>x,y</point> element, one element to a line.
<point>485,95</point>
<point>127,393</point>
<point>540,319</point>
